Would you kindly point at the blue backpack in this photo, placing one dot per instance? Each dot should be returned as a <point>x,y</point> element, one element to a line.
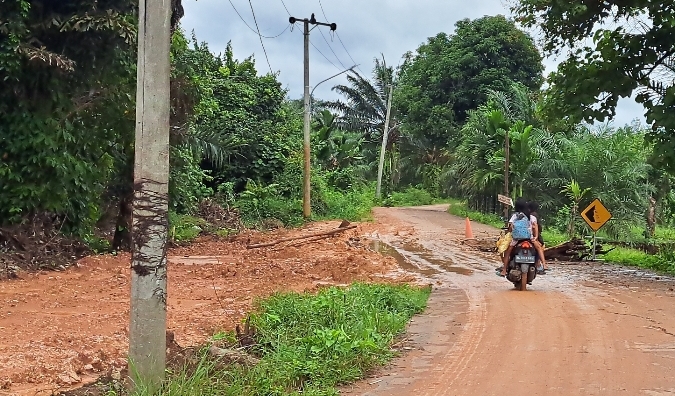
<point>522,228</point>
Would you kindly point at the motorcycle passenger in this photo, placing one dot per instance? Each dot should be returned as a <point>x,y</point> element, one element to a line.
<point>521,226</point>
<point>538,239</point>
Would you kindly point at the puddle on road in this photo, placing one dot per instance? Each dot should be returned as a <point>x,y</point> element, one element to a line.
<point>422,254</point>
<point>404,263</point>
<point>425,254</point>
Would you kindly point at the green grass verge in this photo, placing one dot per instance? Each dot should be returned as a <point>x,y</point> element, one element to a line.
<point>663,262</point>
<point>309,344</point>
<point>553,237</point>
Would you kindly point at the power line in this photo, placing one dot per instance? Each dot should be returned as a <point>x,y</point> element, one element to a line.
<point>260,36</point>
<point>331,49</point>
<point>289,13</point>
<point>348,54</point>
<point>324,38</point>
<point>319,51</point>
<point>254,30</point>
<point>338,36</point>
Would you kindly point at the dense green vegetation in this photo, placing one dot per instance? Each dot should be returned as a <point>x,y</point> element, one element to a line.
<point>310,343</point>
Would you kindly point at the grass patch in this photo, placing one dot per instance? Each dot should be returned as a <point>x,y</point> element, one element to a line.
<point>354,205</point>
<point>553,237</point>
<point>185,228</point>
<point>412,196</point>
<point>663,262</point>
<point>309,344</point>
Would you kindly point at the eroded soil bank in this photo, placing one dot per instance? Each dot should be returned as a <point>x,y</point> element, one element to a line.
<point>59,330</point>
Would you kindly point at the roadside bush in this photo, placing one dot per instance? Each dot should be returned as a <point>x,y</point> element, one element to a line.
<point>412,196</point>
<point>282,199</point>
<point>187,180</point>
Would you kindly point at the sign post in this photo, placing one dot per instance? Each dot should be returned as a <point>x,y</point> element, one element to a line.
<point>505,200</point>
<point>596,215</point>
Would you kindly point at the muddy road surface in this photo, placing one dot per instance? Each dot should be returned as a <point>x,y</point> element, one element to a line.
<point>583,329</point>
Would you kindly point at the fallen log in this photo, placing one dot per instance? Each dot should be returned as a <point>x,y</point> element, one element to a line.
<point>572,250</point>
<point>312,235</point>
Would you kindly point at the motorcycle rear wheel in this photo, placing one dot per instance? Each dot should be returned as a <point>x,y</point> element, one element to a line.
<point>523,282</point>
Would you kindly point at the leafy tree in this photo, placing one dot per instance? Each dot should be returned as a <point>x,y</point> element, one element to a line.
<point>245,113</point>
<point>451,75</point>
<point>631,53</point>
<point>68,76</point>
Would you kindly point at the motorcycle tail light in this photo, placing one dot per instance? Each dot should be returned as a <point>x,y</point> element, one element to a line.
<point>526,245</point>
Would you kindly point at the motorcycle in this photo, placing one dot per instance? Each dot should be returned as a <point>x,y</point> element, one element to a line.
<point>521,269</point>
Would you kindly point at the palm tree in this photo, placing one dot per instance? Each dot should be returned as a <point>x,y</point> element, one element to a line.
<point>478,166</point>
<point>335,148</point>
<point>365,106</point>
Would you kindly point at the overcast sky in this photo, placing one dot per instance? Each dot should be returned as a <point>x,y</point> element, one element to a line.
<point>367,28</point>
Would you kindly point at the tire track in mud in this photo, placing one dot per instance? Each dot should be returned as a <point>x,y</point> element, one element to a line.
<point>466,347</point>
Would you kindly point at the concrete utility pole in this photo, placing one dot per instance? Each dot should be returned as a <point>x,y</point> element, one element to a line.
<point>147,328</point>
<point>385,135</point>
<point>306,198</point>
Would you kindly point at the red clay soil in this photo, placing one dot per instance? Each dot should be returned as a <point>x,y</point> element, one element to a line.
<point>59,330</point>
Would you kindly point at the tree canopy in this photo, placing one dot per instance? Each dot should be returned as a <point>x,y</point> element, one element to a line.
<point>68,72</point>
<point>452,74</point>
<point>631,53</point>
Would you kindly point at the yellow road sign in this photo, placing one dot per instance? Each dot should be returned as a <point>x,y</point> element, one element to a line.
<point>596,215</point>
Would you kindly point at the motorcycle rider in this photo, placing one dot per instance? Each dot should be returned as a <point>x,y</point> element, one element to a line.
<point>538,239</point>
<point>522,222</point>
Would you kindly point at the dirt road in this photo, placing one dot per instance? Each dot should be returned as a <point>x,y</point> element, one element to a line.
<point>580,330</point>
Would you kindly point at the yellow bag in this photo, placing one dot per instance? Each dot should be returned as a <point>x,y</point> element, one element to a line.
<point>503,242</point>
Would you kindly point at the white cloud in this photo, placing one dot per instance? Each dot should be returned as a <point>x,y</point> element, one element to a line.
<point>367,28</point>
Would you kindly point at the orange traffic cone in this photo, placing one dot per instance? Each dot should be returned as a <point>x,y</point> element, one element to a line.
<point>467,229</point>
